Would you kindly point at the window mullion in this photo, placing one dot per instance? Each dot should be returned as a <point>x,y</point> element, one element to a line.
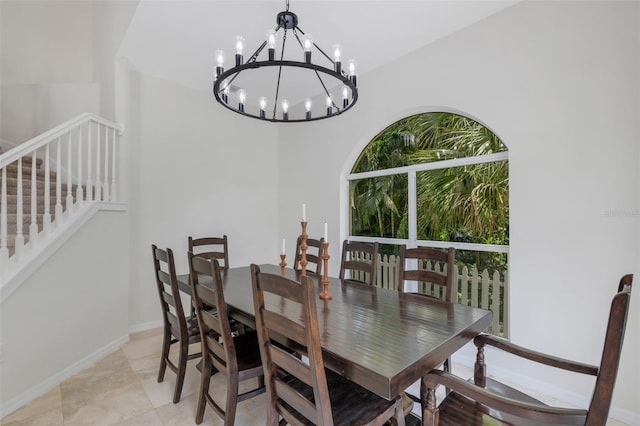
<point>412,198</point>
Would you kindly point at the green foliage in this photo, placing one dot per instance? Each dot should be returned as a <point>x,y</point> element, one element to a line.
<point>467,203</point>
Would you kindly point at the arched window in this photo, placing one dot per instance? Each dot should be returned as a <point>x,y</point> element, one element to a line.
<point>439,180</point>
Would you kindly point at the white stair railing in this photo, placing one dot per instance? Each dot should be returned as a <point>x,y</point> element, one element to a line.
<point>59,150</point>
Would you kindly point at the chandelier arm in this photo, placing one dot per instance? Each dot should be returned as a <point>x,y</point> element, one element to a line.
<point>325,90</point>
<point>318,48</point>
<point>257,52</point>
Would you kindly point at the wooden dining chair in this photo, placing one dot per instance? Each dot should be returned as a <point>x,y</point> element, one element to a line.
<point>427,278</point>
<point>496,402</point>
<point>430,282</point>
<point>211,248</point>
<point>314,255</point>
<point>304,393</point>
<point>237,358</point>
<point>177,328</point>
<point>361,260</point>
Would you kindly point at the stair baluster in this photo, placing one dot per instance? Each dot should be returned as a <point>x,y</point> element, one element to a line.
<point>58,209</point>
<point>33,228</point>
<point>19,239</point>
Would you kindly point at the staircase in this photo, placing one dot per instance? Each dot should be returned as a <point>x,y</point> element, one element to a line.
<point>12,199</point>
<point>49,183</point>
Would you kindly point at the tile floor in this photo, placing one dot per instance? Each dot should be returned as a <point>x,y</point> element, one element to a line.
<point>122,390</point>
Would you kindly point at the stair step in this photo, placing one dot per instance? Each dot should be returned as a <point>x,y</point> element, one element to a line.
<point>26,161</point>
<point>26,208</point>
<point>12,171</point>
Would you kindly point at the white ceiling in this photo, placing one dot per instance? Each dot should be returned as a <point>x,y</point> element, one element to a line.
<point>176,40</point>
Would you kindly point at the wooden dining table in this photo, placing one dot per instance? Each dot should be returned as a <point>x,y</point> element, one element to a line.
<point>381,339</point>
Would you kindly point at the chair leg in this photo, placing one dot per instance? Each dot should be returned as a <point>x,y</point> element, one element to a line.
<point>166,344</point>
<point>205,380</point>
<point>232,400</point>
<point>182,368</point>
<point>399,416</point>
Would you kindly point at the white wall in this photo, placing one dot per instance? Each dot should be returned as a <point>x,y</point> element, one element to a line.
<point>559,83</point>
<point>72,309</point>
<point>57,62</point>
<point>199,170</point>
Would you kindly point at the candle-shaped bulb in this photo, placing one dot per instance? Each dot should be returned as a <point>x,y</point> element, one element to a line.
<point>352,67</point>
<point>307,107</point>
<point>329,101</point>
<point>262,101</point>
<point>307,42</point>
<point>285,106</point>
<point>220,57</point>
<point>337,51</point>
<point>219,68</point>
<point>242,96</point>
<point>271,39</point>
<point>271,44</point>
<point>239,44</point>
<point>352,72</point>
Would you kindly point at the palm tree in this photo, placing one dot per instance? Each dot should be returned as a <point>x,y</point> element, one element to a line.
<point>467,200</point>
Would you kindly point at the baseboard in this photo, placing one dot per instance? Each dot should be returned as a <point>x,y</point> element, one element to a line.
<point>137,328</point>
<point>45,386</point>
<point>556,392</point>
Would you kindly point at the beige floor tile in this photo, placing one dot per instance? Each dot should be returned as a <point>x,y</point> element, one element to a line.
<point>108,407</point>
<point>183,413</point>
<point>48,418</point>
<point>144,344</point>
<point>47,403</point>
<point>162,393</point>
<point>148,418</point>
<point>110,374</point>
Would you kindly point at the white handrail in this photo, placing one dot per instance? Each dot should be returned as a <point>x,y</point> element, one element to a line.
<point>50,135</point>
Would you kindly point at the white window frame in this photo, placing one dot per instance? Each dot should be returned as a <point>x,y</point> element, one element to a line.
<point>411,172</point>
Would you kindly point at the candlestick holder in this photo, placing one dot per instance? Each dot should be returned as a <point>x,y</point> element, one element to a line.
<point>303,248</point>
<point>325,295</point>
<point>283,264</point>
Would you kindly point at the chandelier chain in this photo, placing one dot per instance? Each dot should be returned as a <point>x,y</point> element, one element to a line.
<point>284,40</point>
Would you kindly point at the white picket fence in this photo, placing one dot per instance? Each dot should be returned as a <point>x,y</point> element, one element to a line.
<point>487,290</point>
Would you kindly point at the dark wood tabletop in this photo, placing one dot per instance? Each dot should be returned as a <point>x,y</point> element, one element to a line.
<point>379,338</point>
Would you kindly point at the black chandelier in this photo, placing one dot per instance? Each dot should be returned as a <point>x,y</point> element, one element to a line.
<point>317,81</point>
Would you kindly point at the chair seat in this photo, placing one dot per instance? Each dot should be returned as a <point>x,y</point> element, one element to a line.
<point>350,404</point>
<point>459,410</point>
